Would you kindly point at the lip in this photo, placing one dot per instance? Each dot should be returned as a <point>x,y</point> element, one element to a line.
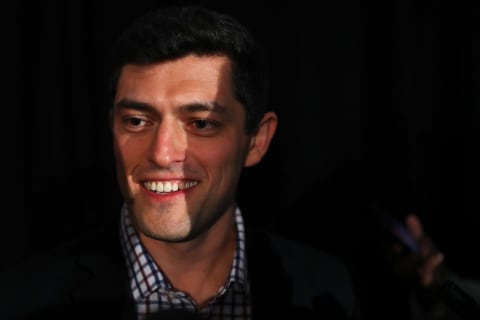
<point>167,188</point>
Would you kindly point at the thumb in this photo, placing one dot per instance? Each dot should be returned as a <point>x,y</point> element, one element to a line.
<point>414,225</point>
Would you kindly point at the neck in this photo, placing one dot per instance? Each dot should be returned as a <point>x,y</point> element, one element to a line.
<point>200,266</point>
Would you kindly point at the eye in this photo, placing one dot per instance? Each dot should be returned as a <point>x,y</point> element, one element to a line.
<point>204,126</point>
<point>134,123</point>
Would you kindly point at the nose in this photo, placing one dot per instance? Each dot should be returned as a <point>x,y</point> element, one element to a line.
<point>169,143</point>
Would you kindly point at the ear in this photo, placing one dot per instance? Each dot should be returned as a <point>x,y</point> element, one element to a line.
<point>260,141</point>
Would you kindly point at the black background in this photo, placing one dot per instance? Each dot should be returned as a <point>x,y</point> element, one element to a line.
<point>377,102</point>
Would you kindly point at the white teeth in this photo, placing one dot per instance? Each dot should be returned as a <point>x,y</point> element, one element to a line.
<point>165,187</point>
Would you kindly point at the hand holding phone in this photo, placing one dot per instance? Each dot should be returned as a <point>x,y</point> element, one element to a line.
<point>400,231</point>
<point>397,229</point>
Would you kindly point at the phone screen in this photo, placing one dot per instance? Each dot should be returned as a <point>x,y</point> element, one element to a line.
<point>396,228</point>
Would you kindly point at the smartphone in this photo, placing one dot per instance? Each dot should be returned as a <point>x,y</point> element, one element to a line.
<point>396,228</point>
<point>399,230</point>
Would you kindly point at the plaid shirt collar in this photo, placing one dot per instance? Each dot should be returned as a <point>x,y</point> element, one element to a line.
<point>145,276</point>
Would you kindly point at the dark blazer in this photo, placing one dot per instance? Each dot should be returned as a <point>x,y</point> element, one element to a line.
<point>87,279</point>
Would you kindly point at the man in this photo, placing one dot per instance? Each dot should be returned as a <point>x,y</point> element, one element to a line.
<point>189,113</point>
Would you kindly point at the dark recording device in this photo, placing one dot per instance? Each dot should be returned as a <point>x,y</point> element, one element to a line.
<point>452,295</point>
<point>399,230</point>
<point>396,228</point>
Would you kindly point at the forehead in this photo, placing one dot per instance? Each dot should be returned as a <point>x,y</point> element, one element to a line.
<point>190,77</point>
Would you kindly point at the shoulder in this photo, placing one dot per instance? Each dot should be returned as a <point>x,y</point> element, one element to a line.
<point>301,252</point>
<point>61,279</point>
<point>313,276</point>
<point>299,255</point>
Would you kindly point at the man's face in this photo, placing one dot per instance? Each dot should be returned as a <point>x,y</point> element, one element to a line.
<point>180,145</point>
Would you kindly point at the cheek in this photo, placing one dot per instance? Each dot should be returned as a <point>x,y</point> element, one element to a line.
<point>121,163</point>
<point>126,153</point>
<point>224,156</point>
<point>127,157</point>
<point>119,150</point>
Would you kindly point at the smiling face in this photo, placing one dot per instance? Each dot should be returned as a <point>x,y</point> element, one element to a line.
<point>180,145</point>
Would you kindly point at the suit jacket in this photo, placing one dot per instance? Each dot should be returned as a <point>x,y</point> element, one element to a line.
<point>87,279</point>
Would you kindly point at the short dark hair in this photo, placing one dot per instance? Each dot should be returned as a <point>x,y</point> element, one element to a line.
<point>173,32</point>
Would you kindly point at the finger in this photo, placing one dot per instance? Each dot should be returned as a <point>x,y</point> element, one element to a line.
<point>432,263</point>
<point>414,225</point>
<point>427,247</point>
<point>428,269</point>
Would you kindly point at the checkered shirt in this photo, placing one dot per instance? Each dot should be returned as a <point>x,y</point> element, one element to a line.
<point>152,292</point>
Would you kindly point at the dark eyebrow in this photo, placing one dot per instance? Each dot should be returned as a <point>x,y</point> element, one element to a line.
<point>131,104</point>
<point>187,108</point>
<point>203,106</point>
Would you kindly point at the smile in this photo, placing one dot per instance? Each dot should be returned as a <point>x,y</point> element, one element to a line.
<point>168,186</point>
